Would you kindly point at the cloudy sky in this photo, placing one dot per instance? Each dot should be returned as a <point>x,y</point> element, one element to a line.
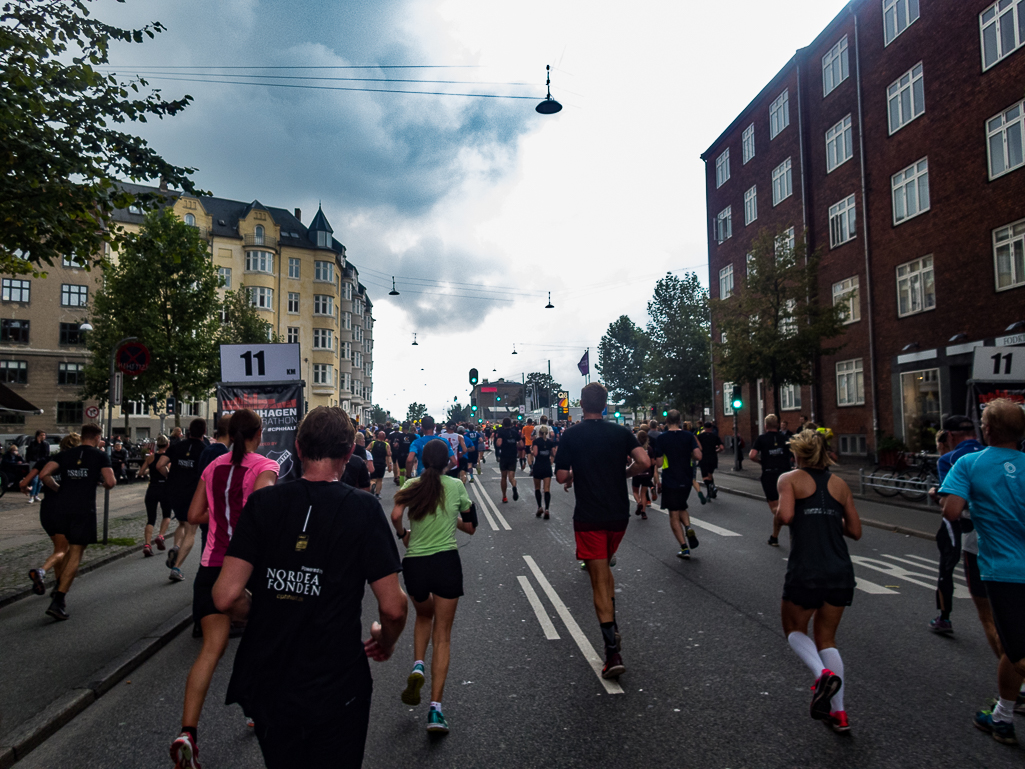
<point>479,207</point>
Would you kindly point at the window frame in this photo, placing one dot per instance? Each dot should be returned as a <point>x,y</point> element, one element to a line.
<point>320,264</point>
<point>747,140</point>
<point>727,400</point>
<point>908,5</point>
<point>923,273</point>
<point>840,136</point>
<point>224,273</point>
<point>845,214</point>
<point>790,397</point>
<point>857,371</point>
<point>722,168</point>
<point>903,185</point>
<point>1015,234</point>
<point>320,335</point>
<point>293,296</point>
<point>723,226</point>
<point>751,205</point>
<point>848,291</point>
<point>321,299</point>
<point>258,258</point>
<point>292,334</point>
<point>23,289</point>
<point>782,174</point>
<point>838,53</point>
<point>67,294</point>
<point>322,374</point>
<point>65,331</point>
<point>726,284</point>
<point>64,371</point>
<point>1005,124</point>
<point>893,97</point>
<point>263,293</point>
<point>295,262</point>
<point>779,105</point>
<point>18,366</point>
<point>77,415</point>
<point>1017,8</point>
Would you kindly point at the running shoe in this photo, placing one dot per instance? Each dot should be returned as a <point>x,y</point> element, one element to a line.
<point>31,500</point>
<point>147,551</point>
<point>826,686</point>
<point>505,499</point>
<point>547,516</point>
<point>185,752</point>
<point>1019,707</point>
<point>436,722</point>
<point>612,561</point>
<point>941,626</point>
<point>411,694</point>
<point>172,556</point>
<point>654,495</point>
<point>583,565</point>
<point>37,581</point>
<point>57,611</point>
<point>614,666</point>
<point>639,510</point>
<point>1002,731</point>
<point>684,553</point>
<point>774,541</point>
<point>692,539</point>
<point>644,516</point>
<point>176,575</point>
<point>471,480</point>
<point>160,543</point>
<point>250,722</point>
<point>540,512</point>
<point>713,492</point>
<point>701,496</point>
<point>516,494</point>
<point>838,721</point>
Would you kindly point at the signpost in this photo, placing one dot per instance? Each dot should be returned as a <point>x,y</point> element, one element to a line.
<point>130,357</point>
<point>92,412</point>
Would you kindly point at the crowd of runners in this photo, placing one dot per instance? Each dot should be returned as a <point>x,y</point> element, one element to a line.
<point>284,564</point>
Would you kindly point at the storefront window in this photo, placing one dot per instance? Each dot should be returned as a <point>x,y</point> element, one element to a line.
<point>920,400</point>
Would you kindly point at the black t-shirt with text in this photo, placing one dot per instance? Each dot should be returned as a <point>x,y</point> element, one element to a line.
<point>677,446</point>
<point>80,471</point>
<point>774,452</point>
<point>184,471</point>
<point>598,453</point>
<point>314,546</point>
<point>544,450</point>
<point>510,437</point>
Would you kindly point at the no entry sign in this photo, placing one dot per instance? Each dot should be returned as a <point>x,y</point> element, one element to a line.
<point>132,359</point>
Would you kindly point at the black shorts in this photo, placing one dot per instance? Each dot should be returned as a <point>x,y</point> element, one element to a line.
<point>154,497</point>
<point>453,473</point>
<point>507,464</point>
<point>48,517</point>
<point>378,471</point>
<point>79,528</point>
<point>179,507</point>
<point>708,466</point>
<point>976,587</point>
<point>541,469</point>
<point>769,480</point>
<point>675,499</point>
<point>814,597</point>
<point>1007,598</point>
<point>471,457</point>
<point>644,480</point>
<point>203,592</point>
<point>440,574</point>
<point>464,463</point>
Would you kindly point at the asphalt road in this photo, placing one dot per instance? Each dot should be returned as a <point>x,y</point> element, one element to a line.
<point>710,681</point>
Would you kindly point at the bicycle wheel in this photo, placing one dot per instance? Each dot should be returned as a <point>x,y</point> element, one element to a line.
<point>886,478</point>
<point>910,486</point>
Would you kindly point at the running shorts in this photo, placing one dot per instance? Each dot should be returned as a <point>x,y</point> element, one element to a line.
<point>598,545</point>
<point>48,517</point>
<point>203,592</point>
<point>440,574</point>
<point>972,576</point>
<point>507,464</point>
<point>708,465</point>
<point>471,457</point>
<point>78,528</point>
<point>814,597</point>
<point>1007,598</point>
<point>541,470</point>
<point>644,480</point>
<point>675,499</point>
<point>453,473</point>
<point>155,496</point>
<point>464,463</point>
<point>769,480</point>
<point>179,507</point>
<point>378,471</point>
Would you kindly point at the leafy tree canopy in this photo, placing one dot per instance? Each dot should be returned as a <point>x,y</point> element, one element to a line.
<point>416,412</point>
<point>621,356</point>
<point>242,322</point>
<point>677,369</point>
<point>545,386</point>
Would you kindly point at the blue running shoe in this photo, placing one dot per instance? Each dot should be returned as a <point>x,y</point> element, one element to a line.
<point>411,695</point>
<point>1001,731</point>
<point>436,722</point>
<point>941,626</point>
<point>684,553</point>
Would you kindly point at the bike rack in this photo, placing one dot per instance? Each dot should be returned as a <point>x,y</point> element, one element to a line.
<point>897,485</point>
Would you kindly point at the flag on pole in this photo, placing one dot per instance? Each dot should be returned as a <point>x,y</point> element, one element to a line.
<point>585,363</point>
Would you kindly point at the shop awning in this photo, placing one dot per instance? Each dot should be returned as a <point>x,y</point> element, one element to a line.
<point>12,403</point>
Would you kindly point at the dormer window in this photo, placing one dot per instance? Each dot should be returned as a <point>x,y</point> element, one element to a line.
<point>259,235</point>
<point>324,239</point>
<point>190,220</point>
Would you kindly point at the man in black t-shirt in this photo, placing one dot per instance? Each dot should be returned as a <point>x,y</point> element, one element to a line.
<point>592,458</point>
<point>307,550</point>
<point>507,448</point>
<point>356,473</point>
<point>711,444</point>
<point>181,464</point>
<point>776,460</point>
<point>80,469</point>
<point>679,448</point>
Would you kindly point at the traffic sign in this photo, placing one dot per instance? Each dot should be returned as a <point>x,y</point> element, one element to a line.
<point>170,405</point>
<point>92,412</point>
<point>523,409</point>
<point>999,364</point>
<point>260,362</point>
<point>132,358</point>
<point>115,396</point>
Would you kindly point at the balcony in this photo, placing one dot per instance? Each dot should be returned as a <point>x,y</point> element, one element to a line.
<point>260,241</point>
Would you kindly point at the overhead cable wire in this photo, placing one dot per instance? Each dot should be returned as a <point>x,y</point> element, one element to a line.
<point>343,79</point>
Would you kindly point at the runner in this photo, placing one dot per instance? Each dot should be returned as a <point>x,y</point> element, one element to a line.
<point>438,505</point>
<point>79,469</point>
<point>678,448</point>
<point>819,509</point>
<point>528,441</point>
<point>380,450</point>
<point>711,444</point>
<point>155,495</point>
<point>414,461</point>
<point>361,451</point>
<point>506,448</point>
<point>474,442</point>
<point>48,518</point>
<point>180,465</point>
<point>643,482</point>
<point>776,460</point>
<point>544,450</point>
<point>222,492</point>
<point>593,456</point>
<point>992,483</point>
<point>356,473</point>
<point>458,446</point>
<point>38,450</point>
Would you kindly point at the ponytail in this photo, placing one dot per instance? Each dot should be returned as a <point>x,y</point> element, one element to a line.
<point>243,427</point>
<point>425,496</point>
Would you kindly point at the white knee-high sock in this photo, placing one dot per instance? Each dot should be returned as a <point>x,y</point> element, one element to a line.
<point>831,659</point>
<point>804,647</point>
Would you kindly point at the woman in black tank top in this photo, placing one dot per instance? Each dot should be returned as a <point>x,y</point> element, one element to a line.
<point>819,509</point>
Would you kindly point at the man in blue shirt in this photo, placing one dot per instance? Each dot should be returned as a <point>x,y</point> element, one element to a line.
<point>992,483</point>
<point>416,449</point>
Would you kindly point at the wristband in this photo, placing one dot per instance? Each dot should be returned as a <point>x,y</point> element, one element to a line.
<point>470,516</point>
<point>404,533</point>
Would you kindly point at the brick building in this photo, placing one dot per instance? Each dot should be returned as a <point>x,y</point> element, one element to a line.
<point>894,142</point>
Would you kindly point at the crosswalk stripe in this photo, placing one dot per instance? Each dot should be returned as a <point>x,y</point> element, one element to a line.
<point>934,564</point>
<point>872,588</point>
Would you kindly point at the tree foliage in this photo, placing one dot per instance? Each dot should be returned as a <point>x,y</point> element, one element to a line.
<point>677,368</point>
<point>621,357</point>
<point>416,412</point>
<point>61,147</point>
<point>775,325</point>
<point>546,388</point>
<point>379,415</point>
<point>458,413</point>
<point>163,290</point>
<point>242,323</point>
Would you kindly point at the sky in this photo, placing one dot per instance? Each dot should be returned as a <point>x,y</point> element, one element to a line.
<point>497,203</point>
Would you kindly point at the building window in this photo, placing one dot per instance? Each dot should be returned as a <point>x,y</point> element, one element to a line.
<point>190,220</point>
<point>347,382</point>
<point>70,412</point>
<point>785,242</point>
<point>853,446</point>
<point>71,334</point>
<point>782,183</point>
<point>779,114</point>
<point>722,169</point>
<point>727,397</point>
<point>905,98</point>
<point>726,282</point>
<point>322,373</point>
<point>1009,255</point>
<point>293,335</point>
<point>751,205</point>
<point>224,273</point>
<point>1002,27</point>
<point>834,67</point>
<point>323,339</point>
<point>845,294</point>
<point>1005,143</point>
<point>293,267</point>
<point>358,333</point>
<point>348,321</point>
<point>788,318</point>
<point>357,359</point>
<point>16,290</point>
<point>262,298</point>
<point>323,304</point>
<point>920,406</point>
<point>259,261</point>
<point>14,371</point>
<point>346,350</point>
<point>324,239</point>
<point>293,303</point>
<point>136,408</point>
<point>748,143</point>
<point>14,331</point>
<point>324,271</point>
<point>74,296</point>
<point>850,383</point>
<point>723,225</point>
<point>916,288</point>
<point>898,15</point>
<point>258,235</point>
<point>70,373</point>
<point>135,209</point>
<point>911,191</point>
<point>839,144</point>
<point>842,222</point>
<point>790,395</point>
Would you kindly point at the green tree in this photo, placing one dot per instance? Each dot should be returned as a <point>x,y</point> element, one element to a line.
<point>621,357</point>
<point>163,290</point>
<point>774,327</point>
<point>546,387</point>
<point>379,415</point>
<point>61,147</point>
<point>416,412</point>
<point>242,323</point>
<point>458,413</point>
<point>677,369</point>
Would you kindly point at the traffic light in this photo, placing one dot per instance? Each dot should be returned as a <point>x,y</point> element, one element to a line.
<point>665,413</point>
<point>498,397</point>
<point>652,411</point>
<point>480,421</point>
<point>736,401</point>
<point>473,377</point>
<point>473,407</point>
<point>617,415</point>
<point>519,417</point>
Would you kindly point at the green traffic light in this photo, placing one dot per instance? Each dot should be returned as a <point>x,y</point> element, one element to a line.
<point>473,408</point>
<point>665,413</point>
<point>498,397</point>
<point>617,415</point>
<point>737,403</point>
<point>519,417</point>
<point>480,421</point>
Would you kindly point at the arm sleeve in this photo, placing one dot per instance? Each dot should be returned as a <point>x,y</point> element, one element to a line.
<point>379,551</point>
<point>958,480</point>
<point>104,460</point>
<point>943,466</point>
<point>564,459</point>
<point>245,539</point>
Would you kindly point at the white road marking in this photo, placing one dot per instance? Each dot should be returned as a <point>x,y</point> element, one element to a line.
<point>486,500</point>
<point>612,687</point>
<point>871,587</point>
<point>900,573</point>
<point>709,526</point>
<point>484,509</point>
<point>934,564</point>
<point>918,564</point>
<point>539,610</point>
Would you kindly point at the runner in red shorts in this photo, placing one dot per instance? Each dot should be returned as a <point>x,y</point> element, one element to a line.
<point>593,454</point>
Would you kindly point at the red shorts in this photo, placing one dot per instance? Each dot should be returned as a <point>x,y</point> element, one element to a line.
<point>597,545</point>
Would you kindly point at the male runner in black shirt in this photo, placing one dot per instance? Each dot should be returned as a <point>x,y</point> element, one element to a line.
<point>506,447</point>
<point>679,448</point>
<point>711,444</point>
<point>180,463</point>
<point>80,469</point>
<point>776,459</point>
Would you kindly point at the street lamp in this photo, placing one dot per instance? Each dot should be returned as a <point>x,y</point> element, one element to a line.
<point>110,421</point>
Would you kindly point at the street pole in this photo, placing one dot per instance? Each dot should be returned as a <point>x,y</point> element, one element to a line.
<point>109,425</point>
<point>548,396</point>
<point>736,442</point>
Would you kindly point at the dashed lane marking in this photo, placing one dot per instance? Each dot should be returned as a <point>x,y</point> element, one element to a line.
<point>709,526</point>
<point>484,509</point>
<point>920,565</point>
<point>539,610</point>
<point>485,499</point>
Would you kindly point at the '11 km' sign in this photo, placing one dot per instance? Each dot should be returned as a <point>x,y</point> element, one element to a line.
<point>260,362</point>
<point>999,364</point>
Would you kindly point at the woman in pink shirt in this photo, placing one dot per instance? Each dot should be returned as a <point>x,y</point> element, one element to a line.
<point>221,494</point>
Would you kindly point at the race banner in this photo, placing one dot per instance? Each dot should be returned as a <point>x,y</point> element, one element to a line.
<point>280,406</point>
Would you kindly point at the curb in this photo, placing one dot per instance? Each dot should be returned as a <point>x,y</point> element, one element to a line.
<point>866,521</point>
<point>31,734</point>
